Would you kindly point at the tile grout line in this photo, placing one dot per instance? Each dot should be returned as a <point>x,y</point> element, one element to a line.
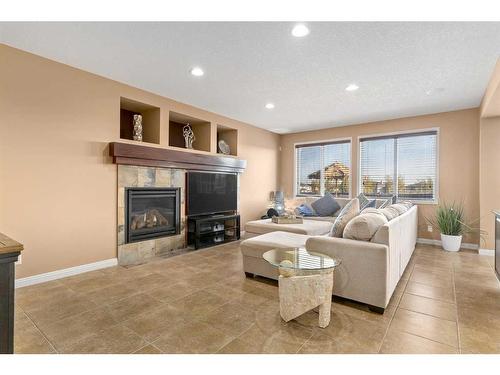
<point>41,332</point>
<point>395,312</point>
<point>426,314</point>
<point>456,310</point>
<point>307,340</point>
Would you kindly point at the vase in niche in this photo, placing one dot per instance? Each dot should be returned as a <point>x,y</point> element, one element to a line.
<point>138,128</point>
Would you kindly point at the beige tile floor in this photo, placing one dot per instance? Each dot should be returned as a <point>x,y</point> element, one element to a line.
<point>201,303</point>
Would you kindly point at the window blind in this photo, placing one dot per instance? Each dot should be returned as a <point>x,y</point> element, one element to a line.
<point>403,165</point>
<point>323,167</point>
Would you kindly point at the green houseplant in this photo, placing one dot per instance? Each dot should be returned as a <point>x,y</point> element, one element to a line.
<point>451,221</point>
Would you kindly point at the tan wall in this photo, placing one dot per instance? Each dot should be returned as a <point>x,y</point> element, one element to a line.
<point>458,156</point>
<point>490,105</point>
<point>57,184</point>
<point>489,177</point>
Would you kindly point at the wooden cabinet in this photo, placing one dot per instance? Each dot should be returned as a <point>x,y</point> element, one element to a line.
<point>9,253</point>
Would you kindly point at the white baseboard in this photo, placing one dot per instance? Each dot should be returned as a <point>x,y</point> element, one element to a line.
<point>427,241</point>
<point>59,274</point>
<point>488,252</point>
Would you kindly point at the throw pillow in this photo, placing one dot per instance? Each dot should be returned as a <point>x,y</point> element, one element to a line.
<point>325,206</point>
<point>363,227</point>
<point>390,213</point>
<point>371,210</point>
<point>350,210</point>
<point>363,201</point>
<point>371,203</point>
<point>304,210</point>
<point>401,208</point>
<point>408,204</point>
<point>385,203</point>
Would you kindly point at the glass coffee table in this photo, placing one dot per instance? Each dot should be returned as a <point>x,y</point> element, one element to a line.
<point>305,282</point>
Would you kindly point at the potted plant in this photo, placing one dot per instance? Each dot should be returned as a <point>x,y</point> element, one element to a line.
<point>450,219</point>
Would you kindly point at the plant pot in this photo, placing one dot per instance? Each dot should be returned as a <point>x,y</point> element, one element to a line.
<point>451,243</point>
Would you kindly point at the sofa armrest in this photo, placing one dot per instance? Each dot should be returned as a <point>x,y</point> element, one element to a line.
<point>363,272</point>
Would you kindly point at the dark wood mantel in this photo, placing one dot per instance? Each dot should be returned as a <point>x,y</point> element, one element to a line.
<point>132,154</point>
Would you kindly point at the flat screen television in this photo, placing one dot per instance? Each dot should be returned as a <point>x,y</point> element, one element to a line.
<point>211,193</point>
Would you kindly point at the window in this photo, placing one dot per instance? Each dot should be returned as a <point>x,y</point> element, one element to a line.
<point>404,165</point>
<point>323,167</point>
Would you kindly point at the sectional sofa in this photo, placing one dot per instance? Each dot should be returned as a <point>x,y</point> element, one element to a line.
<point>370,270</point>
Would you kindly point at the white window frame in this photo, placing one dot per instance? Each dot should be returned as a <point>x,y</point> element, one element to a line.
<point>434,201</point>
<point>335,140</point>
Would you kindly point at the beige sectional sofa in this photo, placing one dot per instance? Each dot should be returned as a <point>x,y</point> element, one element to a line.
<point>313,225</point>
<point>369,271</point>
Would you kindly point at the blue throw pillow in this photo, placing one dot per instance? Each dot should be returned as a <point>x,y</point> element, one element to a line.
<point>326,206</point>
<point>371,203</point>
<point>305,210</point>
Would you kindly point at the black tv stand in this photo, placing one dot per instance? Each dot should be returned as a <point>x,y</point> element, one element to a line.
<point>212,230</point>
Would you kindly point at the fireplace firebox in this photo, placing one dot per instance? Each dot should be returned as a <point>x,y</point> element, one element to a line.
<point>151,213</point>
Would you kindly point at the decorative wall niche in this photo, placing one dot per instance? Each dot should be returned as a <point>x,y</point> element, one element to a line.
<point>150,120</point>
<point>201,129</point>
<point>230,136</point>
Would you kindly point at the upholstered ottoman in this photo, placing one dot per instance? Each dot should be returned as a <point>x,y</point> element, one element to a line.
<point>253,248</point>
<point>308,227</point>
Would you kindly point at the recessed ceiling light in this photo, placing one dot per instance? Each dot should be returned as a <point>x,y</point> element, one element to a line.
<point>269,105</point>
<point>352,87</point>
<point>300,30</point>
<point>197,72</point>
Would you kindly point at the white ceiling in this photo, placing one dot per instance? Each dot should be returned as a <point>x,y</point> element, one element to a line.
<point>249,64</point>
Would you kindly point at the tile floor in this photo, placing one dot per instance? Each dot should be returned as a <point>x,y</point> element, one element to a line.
<point>201,303</point>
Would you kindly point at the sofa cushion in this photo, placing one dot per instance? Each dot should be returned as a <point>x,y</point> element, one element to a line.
<point>325,206</point>
<point>310,227</point>
<point>256,246</point>
<point>364,226</point>
<point>350,210</point>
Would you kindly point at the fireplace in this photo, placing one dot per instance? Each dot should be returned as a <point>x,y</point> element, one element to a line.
<point>151,212</point>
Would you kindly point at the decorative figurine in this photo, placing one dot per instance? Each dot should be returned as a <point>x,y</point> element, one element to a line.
<point>138,128</point>
<point>224,147</point>
<point>189,137</point>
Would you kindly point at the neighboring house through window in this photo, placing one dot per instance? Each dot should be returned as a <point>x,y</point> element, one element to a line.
<point>404,165</point>
<point>323,167</point>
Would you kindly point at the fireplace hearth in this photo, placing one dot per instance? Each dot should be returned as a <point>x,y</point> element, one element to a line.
<point>151,212</point>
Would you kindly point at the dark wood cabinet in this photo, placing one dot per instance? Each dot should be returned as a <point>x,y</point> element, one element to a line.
<point>9,253</point>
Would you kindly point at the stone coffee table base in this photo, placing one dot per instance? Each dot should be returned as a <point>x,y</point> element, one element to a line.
<point>301,293</point>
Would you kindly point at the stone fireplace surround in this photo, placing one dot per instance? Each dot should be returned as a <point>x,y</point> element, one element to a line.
<point>143,251</point>
<point>146,166</point>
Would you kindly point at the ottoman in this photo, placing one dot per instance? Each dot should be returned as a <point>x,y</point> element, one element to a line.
<point>308,227</point>
<point>253,248</point>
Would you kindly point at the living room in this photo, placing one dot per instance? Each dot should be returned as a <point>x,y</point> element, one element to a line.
<point>224,190</point>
